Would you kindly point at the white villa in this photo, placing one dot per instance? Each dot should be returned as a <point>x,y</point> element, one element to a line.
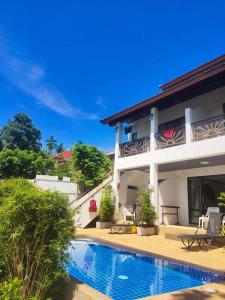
<point>174,143</point>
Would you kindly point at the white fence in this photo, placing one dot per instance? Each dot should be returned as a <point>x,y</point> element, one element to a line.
<point>52,183</point>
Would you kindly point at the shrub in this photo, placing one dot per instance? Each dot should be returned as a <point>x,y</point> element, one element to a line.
<point>35,230</point>
<point>107,205</point>
<point>147,214</point>
<point>11,290</point>
<point>221,199</point>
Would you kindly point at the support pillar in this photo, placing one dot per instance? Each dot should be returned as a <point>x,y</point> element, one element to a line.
<point>116,173</point>
<point>188,121</point>
<point>153,185</point>
<point>153,127</point>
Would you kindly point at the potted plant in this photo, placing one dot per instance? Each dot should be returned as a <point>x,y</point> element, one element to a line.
<point>147,213</point>
<point>107,208</point>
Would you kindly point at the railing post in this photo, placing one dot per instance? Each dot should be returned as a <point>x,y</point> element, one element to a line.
<point>188,128</point>
<point>153,127</point>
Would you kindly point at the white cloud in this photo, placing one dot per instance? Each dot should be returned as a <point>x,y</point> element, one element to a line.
<point>100,102</point>
<point>30,78</point>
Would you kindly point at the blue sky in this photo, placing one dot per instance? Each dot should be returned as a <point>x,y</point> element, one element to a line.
<point>70,63</point>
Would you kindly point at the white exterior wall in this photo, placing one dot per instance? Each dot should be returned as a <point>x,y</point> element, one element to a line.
<point>133,178</point>
<point>143,127</point>
<point>174,190</point>
<point>169,194</point>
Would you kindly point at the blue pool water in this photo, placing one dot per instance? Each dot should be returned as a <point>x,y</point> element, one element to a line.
<point>125,275</point>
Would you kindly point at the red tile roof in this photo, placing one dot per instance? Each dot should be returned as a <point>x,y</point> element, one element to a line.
<point>67,155</point>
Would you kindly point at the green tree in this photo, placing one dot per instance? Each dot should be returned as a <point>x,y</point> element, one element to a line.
<point>23,163</point>
<point>107,204</point>
<point>21,133</point>
<point>1,144</point>
<point>90,165</point>
<point>60,148</point>
<point>51,143</point>
<point>36,228</point>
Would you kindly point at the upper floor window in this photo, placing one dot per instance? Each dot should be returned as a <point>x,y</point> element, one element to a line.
<point>134,136</point>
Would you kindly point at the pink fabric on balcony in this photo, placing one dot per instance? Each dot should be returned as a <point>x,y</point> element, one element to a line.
<point>168,133</point>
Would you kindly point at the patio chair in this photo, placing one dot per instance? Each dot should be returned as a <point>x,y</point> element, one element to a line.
<point>205,218</point>
<point>124,227</point>
<point>128,211</point>
<point>214,228</point>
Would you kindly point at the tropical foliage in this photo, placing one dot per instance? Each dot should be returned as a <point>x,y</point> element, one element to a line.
<point>90,165</point>
<point>107,205</point>
<point>60,148</point>
<point>51,144</point>
<point>35,230</point>
<point>63,169</point>
<point>147,213</point>
<point>24,163</point>
<point>21,133</point>
<point>221,199</point>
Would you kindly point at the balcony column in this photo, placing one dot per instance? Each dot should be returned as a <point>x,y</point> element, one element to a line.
<point>153,127</point>
<point>188,121</point>
<point>153,185</point>
<point>116,173</point>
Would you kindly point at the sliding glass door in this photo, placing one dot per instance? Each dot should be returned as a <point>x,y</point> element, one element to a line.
<point>203,192</point>
<point>195,199</point>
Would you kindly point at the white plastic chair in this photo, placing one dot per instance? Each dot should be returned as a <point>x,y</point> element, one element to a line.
<point>223,222</point>
<point>128,211</point>
<point>205,218</point>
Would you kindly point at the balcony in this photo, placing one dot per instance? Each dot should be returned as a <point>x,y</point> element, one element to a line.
<point>209,128</point>
<point>170,138</point>
<point>134,147</point>
<point>193,132</point>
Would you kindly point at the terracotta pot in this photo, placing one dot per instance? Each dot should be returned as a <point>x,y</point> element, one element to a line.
<point>146,230</point>
<point>103,225</point>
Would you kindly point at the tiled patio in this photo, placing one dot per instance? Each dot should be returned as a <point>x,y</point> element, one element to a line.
<point>210,258</point>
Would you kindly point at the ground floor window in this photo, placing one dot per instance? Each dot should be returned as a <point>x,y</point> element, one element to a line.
<point>203,193</point>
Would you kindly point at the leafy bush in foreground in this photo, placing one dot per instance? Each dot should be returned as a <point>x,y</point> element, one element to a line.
<point>35,230</point>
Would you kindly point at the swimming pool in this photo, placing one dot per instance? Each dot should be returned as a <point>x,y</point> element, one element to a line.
<point>125,275</point>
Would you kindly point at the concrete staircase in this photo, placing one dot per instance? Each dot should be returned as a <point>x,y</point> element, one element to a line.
<point>83,216</point>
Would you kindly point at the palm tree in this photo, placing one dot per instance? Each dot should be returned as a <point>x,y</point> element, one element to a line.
<point>60,148</point>
<point>51,143</point>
